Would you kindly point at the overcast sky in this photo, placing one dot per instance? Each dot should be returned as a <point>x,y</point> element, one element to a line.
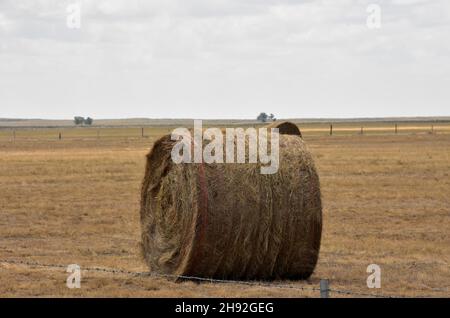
<point>224,59</point>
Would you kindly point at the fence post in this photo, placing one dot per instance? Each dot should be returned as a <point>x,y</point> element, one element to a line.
<point>142,132</point>
<point>324,288</point>
<point>59,136</point>
<point>432,129</point>
<point>14,135</point>
<point>396,128</point>
<point>331,129</point>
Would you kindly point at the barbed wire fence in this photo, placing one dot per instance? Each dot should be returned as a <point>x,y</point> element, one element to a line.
<point>317,130</point>
<point>324,288</point>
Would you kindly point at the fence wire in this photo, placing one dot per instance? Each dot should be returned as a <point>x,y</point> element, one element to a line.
<point>203,279</point>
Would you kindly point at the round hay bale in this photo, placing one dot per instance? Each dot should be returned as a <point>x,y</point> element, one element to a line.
<point>228,221</point>
<point>286,128</point>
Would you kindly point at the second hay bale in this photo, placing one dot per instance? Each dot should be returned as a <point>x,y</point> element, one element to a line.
<point>286,128</point>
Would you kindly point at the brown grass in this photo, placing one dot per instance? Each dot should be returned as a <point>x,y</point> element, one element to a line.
<point>386,201</point>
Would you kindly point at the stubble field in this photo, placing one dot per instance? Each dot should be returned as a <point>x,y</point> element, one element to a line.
<point>386,200</point>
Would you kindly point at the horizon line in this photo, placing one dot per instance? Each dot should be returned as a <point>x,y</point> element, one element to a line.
<point>239,119</point>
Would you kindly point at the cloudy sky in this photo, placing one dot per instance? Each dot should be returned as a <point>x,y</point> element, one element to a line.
<point>224,58</point>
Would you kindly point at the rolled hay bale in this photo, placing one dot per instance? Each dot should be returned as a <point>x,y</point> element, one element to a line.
<point>286,128</point>
<point>228,221</point>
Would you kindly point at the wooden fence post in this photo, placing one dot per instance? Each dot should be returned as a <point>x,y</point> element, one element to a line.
<point>60,136</point>
<point>142,132</point>
<point>396,128</point>
<point>324,288</point>
<point>331,129</point>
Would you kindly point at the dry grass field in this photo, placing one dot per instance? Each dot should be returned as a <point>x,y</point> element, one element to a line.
<point>386,200</point>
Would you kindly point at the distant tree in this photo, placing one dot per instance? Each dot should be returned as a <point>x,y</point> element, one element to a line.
<point>262,117</point>
<point>272,117</point>
<point>88,121</point>
<point>78,120</point>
